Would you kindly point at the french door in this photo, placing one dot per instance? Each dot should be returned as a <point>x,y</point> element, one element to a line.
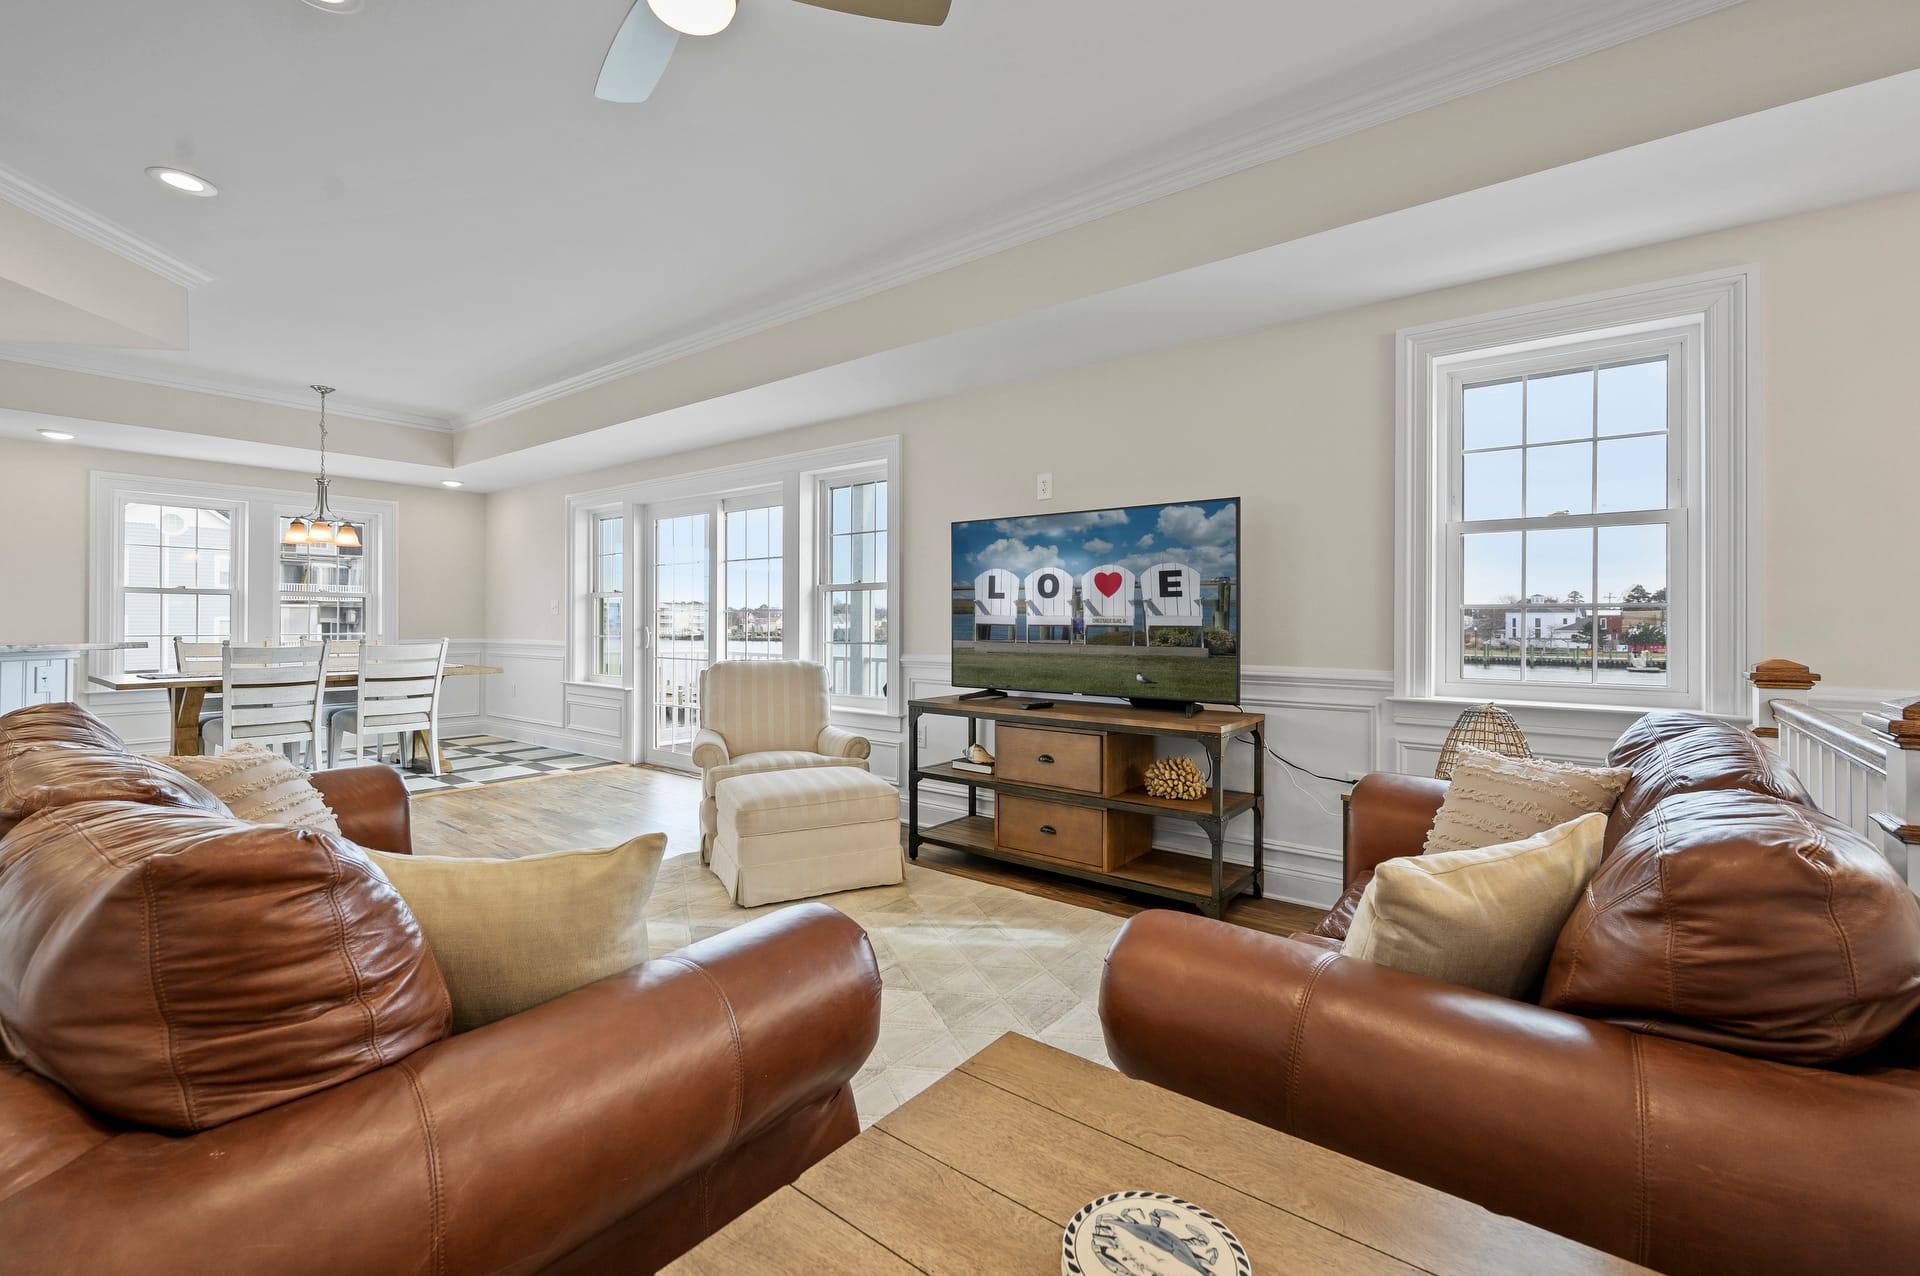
<point>677,635</point>
<point>715,586</point>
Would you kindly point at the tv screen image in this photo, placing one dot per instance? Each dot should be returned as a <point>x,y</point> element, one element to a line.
<point>1141,601</point>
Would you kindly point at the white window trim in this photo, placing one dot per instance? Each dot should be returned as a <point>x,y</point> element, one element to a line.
<point>255,577</point>
<point>793,474</point>
<point>582,550</point>
<point>1722,566</point>
<point>824,482</point>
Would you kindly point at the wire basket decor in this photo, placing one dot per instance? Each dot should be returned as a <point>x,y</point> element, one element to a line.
<point>1484,726</point>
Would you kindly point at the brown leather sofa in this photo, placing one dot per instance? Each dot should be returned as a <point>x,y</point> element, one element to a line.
<point>1629,1131</point>
<point>608,1130</point>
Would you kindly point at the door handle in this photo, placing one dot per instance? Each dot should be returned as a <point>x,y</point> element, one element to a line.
<point>1045,757</point>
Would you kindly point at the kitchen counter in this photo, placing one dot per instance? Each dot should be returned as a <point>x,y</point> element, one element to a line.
<point>42,672</point>
<point>49,648</point>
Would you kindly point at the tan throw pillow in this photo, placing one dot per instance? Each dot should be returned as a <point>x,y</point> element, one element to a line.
<point>510,934</point>
<point>1495,799</point>
<point>259,786</point>
<point>1485,918</point>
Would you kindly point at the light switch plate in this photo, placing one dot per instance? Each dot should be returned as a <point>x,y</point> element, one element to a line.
<point>1043,487</point>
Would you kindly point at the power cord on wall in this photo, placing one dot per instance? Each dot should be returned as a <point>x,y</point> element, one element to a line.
<point>1286,761</point>
<point>1291,766</point>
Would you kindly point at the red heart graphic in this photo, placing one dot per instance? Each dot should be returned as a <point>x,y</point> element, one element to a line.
<point>1108,583</point>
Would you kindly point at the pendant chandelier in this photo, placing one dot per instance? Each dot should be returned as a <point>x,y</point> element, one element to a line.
<point>322,527</point>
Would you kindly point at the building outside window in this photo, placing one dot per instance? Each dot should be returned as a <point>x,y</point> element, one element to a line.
<point>322,591</point>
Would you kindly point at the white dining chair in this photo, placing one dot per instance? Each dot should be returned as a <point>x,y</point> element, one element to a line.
<point>398,694</point>
<point>201,660</point>
<point>274,695</point>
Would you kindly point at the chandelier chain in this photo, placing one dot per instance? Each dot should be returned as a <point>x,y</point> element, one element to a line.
<point>323,391</point>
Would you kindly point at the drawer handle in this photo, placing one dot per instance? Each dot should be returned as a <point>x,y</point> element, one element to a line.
<point>1048,829</point>
<point>1045,757</point>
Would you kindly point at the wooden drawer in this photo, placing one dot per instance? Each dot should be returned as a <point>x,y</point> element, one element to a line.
<point>1071,834</point>
<point>1084,761</point>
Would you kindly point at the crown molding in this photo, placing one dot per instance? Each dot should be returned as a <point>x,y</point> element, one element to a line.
<point>358,409</point>
<point>1393,96</point>
<point>18,189</point>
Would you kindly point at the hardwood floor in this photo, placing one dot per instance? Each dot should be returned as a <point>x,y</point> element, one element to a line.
<point>567,812</point>
<point>606,806</point>
<point>1273,916</point>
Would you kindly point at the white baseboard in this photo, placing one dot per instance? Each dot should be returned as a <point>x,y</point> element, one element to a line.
<point>553,736</point>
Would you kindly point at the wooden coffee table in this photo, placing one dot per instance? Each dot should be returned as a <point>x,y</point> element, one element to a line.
<point>978,1175</point>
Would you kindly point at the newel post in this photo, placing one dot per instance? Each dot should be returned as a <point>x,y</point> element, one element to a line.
<point>1773,680</point>
<point>1897,723</point>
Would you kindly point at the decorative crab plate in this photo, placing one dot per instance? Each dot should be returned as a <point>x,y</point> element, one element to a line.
<point>1149,1234</point>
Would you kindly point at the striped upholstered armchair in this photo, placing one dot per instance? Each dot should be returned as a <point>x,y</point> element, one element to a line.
<point>764,715</point>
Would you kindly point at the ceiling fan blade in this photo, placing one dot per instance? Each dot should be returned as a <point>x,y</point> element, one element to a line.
<point>927,13</point>
<point>637,57</point>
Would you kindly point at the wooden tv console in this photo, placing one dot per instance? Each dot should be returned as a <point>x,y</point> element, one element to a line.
<point>1068,796</point>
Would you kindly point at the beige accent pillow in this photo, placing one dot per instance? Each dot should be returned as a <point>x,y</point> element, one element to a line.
<point>259,786</point>
<point>1495,799</point>
<point>1485,918</point>
<point>510,934</point>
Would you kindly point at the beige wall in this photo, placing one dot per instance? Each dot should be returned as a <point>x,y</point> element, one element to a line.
<point>1299,421</point>
<point>44,495</point>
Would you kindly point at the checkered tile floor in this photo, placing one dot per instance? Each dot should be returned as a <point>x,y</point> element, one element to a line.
<point>487,759</point>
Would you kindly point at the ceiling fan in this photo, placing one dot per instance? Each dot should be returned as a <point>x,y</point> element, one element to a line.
<point>652,28</point>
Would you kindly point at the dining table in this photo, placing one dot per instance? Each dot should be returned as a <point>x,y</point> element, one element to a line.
<point>187,694</point>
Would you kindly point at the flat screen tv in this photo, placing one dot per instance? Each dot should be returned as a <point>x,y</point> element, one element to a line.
<point>1141,602</point>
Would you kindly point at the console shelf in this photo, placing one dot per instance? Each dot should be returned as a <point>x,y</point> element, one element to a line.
<point>1116,804</point>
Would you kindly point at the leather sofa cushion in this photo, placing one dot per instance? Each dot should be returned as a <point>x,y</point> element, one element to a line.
<point>1339,921</point>
<point>62,723</point>
<point>1748,923</point>
<point>177,970</point>
<point>40,776</point>
<point>1674,752</point>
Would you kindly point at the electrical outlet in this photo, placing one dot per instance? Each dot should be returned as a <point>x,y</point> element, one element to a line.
<point>921,733</point>
<point>553,607</point>
<point>1043,487</point>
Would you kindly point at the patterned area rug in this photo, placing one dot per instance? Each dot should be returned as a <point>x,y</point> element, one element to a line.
<point>961,962</point>
<point>487,759</point>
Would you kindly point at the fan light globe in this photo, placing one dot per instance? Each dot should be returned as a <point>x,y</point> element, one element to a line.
<point>694,17</point>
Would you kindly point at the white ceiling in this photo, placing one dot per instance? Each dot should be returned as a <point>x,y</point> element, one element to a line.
<point>424,204</point>
<point>1690,183</point>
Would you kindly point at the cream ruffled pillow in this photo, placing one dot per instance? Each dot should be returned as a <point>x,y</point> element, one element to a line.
<point>1495,799</point>
<point>260,786</point>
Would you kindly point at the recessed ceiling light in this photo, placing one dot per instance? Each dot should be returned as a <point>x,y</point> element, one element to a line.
<point>58,436</point>
<point>181,180</point>
<point>336,6</point>
<point>451,483</point>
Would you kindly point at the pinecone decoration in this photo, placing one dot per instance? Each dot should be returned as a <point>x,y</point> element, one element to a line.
<point>1175,778</point>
